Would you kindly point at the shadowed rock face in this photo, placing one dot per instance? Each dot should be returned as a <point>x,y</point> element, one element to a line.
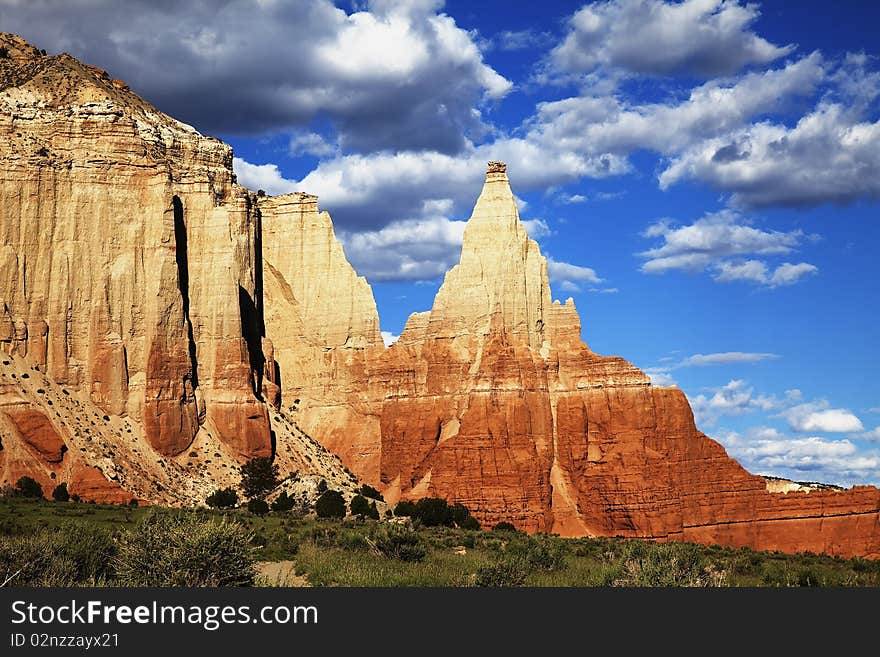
<point>492,399</point>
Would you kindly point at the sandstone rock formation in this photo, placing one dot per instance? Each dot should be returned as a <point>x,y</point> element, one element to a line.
<point>130,277</point>
<point>160,323</point>
<point>492,399</point>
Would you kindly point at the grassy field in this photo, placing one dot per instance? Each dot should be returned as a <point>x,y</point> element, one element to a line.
<point>368,553</point>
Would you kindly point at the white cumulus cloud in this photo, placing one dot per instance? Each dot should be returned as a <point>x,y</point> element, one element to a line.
<point>709,37</point>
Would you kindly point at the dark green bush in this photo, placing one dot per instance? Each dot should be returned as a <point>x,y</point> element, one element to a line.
<point>368,491</point>
<point>504,527</point>
<point>222,498</point>
<point>176,549</point>
<point>283,502</point>
<point>27,487</point>
<point>437,512</point>
<point>330,504</point>
<point>462,517</point>
<point>433,511</point>
<point>258,506</point>
<point>361,507</point>
<point>60,494</point>
<point>259,477</point>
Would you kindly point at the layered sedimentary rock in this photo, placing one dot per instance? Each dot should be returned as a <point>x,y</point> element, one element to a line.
<point>127,263</point>
<point>322,322</point>
<point>159,324</point>
<point>492,399</point>
<point>130,279</point>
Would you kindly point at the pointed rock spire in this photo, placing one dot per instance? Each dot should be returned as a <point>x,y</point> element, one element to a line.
<point>501,272</point>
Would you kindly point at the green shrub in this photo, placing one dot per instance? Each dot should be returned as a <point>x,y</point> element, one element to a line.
<point>176,549</point>
<point>666,564</point>
<point>259,477</point>
<point>330,504</point>
<point>133,502</point>
<point>72,555</point>
<point>258,506</point>
<point>433,511</point>
<point>505,571</point>
<point>437,512</point>
<point>368,491</point>
<point>398,542</point>
<point>283,502</point>
<point>27,487</point>
<point>539,552</point>
<point>222,498</point>
<point>361,507</point>
<point>504,527</point>
<point>60,494</point>
<point>462,517</point>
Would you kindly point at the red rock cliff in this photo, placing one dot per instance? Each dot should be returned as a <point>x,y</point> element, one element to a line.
<point>492,399</point>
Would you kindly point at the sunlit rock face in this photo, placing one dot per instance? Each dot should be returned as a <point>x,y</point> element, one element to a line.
<point>492,399</point>
<point>131,301</point>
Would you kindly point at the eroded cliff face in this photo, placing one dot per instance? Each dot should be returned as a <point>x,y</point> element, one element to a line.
<point>159,324</point>
<point>130,283</point>
<point>492,399</point>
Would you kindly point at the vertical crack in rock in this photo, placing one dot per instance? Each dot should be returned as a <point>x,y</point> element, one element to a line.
<point>250,331</point>
<point>182,258</point>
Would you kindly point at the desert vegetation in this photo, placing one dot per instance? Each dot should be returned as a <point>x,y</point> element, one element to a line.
<point>54,543</point>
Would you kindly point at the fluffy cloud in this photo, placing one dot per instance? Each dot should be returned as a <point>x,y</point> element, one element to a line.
<point>756,271</point>
<point>566,141</point>
<point>707,37</point>
<point>736,397</point>
<point>564,271</point>
<point>715,241</point>
<point>818,417</point>
<point>405,250</point>
<point>829,156</point>
<point>607,123</point>
<point>769,451</point>
<point>873,434</point>
<point>423,249</point>
<point>262,176</point>
<point>311,143</point>
<point>396,75</point>
<point>660,376</point>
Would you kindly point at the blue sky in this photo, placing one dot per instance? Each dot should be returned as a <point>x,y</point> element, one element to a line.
<point>704,175</point>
